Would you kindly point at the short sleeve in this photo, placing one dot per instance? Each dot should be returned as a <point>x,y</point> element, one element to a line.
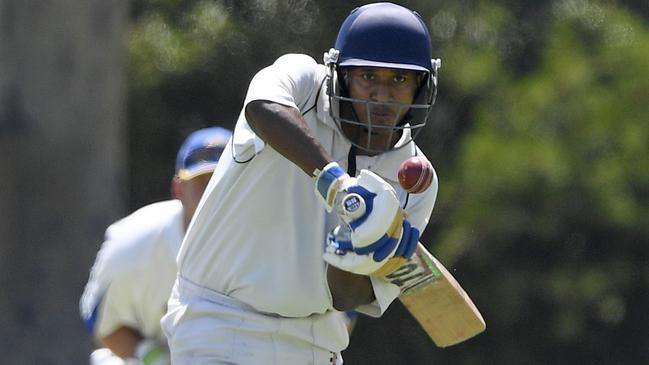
<point>384,292</point>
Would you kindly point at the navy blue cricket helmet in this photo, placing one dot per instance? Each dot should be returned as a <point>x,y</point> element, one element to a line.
<point>389,36</point>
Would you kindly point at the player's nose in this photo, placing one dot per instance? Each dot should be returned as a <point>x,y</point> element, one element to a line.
<point>380,92</point>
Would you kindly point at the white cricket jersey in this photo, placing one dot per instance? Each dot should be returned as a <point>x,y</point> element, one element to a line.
<point>259,231</point>
<point>134,271</point>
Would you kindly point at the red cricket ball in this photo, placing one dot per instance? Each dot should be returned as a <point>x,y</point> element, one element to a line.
<point>415,174</point>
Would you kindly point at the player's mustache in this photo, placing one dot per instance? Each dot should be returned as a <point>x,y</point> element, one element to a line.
<point>383,115</point>
<point>376,130</point>
<point>382,109</point>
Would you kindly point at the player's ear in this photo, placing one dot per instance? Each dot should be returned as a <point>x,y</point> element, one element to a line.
<point>176,188</point>
<point>344,73</point>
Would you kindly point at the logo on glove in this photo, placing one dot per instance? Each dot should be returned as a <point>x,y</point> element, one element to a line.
<point>353,206</point>
<point>352,203</point>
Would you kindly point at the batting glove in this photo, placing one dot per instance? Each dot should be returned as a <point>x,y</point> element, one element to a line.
<point>368,204</point>
<point>391,252</point>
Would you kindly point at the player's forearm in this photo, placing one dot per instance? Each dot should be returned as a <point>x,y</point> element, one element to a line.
<point>284,129</point>
<point>349,290</point>
<point>122,342</point>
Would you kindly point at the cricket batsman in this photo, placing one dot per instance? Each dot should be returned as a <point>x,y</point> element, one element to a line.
<point>263,270</point>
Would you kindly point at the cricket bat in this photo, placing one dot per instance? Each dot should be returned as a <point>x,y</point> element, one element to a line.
<point>436,300</point>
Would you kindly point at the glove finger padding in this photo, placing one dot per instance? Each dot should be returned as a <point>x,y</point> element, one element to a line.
<point>386,245</point>
<point>410,238</point>
<point>405,250</point>
<point>350,261</point>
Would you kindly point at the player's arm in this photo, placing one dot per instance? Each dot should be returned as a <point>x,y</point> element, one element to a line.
<point>348,290</point>
<point>122,342</point>
<point>284,129</point>
<point>118,325</point>
<point>128,343</point>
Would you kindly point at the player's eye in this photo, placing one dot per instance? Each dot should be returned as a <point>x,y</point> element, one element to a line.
<point>400,79</point>
<point>368,76</point>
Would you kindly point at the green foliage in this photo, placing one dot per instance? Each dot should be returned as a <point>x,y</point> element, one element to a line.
<point>552,182</point>
<point>471,45</point>
<point>160,45</point>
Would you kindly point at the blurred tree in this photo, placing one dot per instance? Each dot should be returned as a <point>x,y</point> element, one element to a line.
<point>548,201</point>
<point>62,155</point>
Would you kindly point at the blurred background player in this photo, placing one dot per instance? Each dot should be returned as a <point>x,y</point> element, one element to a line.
<point>258,283</point>
<point>135,268</point>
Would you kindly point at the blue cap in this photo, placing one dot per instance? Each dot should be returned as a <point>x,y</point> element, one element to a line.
<point>201,151</point>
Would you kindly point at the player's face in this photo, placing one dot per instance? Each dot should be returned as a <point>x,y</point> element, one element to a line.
<point>396,88</point>
<point>191,192</point>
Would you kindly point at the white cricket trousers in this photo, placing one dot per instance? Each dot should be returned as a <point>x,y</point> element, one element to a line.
<point>206,327</point>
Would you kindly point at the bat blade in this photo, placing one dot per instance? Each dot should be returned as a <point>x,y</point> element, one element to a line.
<point>436,300</point>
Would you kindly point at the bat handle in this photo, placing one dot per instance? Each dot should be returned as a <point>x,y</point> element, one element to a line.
<point>338,234</point>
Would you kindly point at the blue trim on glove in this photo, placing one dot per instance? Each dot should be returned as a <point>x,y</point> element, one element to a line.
<point>383,252</point>
<point>376,245</point>
<point>368,196</point>
<point>345,245</point>
<point>383,246</point>
<point>327,177</point>
<point>405,238</point>
<point>412,245</point>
